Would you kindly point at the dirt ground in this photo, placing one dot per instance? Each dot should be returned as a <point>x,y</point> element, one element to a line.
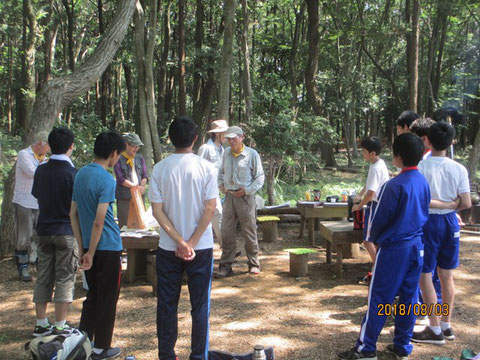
<point>313,317</point>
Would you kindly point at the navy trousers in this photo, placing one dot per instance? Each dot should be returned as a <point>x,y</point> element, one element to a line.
<point>169,273</point>
<point>397,271</point>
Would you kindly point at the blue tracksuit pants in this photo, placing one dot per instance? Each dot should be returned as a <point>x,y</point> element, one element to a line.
<point>169,275</point>
<point>397,271</point>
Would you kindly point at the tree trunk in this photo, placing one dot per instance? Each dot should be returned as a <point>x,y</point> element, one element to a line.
<point>142,115</point>
<point>474,156</point>
<point>227,60</point>
<point>197,76</point>
<point>292,62</point>
<point>412,54</point>
<point>130,91</point>
<point>58,93</point>
<point>182,90</point>
<point>162,72</point>
<point>313,95</point>
<point>28,65</point>
<point>247,84</point>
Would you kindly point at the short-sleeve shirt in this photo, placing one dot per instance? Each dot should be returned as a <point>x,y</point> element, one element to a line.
<point>377,176</point>
<point>447,179</point>
<point>94,185</point>
<point>182,183</point>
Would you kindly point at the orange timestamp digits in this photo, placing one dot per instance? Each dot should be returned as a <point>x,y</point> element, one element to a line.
<point>415,309</point>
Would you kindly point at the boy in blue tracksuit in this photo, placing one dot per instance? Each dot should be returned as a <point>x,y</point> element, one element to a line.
<point>396,228</point>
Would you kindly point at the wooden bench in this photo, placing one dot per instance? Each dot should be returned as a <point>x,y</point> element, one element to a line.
<point>137,250</point>
<point>312,215</point>
<point>340,235</point>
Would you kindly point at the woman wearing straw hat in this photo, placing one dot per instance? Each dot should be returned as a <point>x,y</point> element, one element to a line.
<point>212,151</point>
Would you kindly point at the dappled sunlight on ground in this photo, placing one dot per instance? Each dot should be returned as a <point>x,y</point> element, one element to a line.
<point>311,317</point>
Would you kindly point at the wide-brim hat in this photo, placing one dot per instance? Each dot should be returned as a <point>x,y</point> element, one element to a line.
<point>233,131</point>
<point>133,139</point>
<point>219,126</point>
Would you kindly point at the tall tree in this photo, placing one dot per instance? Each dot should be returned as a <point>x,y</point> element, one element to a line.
<point>182,88</point>
<point>58,93</point>
<point>311,68</point>
<point>247,83</point>
<point>227,61</point>
<point>412,12</point>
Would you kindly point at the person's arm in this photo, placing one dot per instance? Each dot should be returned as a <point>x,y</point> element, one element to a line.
<point>98,223</point>
<point>439,204</point>
<point>365,200</point>
<point>359,196</point>
<point>26,164</point>
<point>75,221</point>
<point>184,251</point>
<point>257,174</point>
<point>465,201</point>
<point>205,220</point>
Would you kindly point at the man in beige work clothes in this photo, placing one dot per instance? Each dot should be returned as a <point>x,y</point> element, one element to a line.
<point>240,176</point>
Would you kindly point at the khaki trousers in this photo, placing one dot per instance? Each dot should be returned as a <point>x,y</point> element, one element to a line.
<point>243,210</point>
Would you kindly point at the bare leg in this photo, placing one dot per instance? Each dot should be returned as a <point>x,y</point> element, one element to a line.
<point>429,297</point>
<point>372,251</point>
<point>448,291</point>
<point>41,310</point>
<point>61,311</point>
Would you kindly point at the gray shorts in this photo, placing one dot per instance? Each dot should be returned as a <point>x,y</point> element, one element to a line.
<point>57,266</point>
<point>26,223</point>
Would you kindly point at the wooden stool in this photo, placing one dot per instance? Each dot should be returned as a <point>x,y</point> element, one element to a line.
<point>299,261</point>
<point>269,227</point>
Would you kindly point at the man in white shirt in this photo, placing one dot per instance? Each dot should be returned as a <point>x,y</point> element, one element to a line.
<point>26,205</point>
<point>377,176</point>
<point>183,192</point>
<point>212,151</point>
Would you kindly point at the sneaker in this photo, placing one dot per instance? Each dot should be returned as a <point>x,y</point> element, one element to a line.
<point>428,336</point>
<point>448,334</point>
<point>107,354</point>
<point>254,270</point>
<point>66,330</point>
<point>366,279</point>
<point>42,330</point>
<point>223,272</point>
<point>24,274</point>
<point>399,355</point>
<point>353,354</point>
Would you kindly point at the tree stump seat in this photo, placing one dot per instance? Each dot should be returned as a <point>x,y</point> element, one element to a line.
<point>269,227</point>
<point>299,261</point>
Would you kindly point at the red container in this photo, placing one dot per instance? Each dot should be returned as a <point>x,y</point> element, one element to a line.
<point>358,220</point>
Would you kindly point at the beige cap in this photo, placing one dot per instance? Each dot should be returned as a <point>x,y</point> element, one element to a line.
<point>40,136</point>
<point>233,131</point>
<point>219,126</point>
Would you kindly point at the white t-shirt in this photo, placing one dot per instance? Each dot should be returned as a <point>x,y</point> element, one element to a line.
<point>447,179</point>
<point>182,182</point>
<point>377,176</point>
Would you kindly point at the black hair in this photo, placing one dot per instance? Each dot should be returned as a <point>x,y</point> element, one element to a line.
<point>420,126</point>
<point>372,143</point>
<point>60,139</point>
<point>107,142</point>
<point>409,147</point>
<point>441,135</point>
<point>182,132</point>
<point>407,118</point>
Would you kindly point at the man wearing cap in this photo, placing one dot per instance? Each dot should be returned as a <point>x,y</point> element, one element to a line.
<point>130,171</point>
<point>212,151</point>
<point>240,176</point>
<point>26,205</point>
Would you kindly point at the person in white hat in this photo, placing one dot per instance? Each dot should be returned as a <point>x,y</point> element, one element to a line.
<point>26,205</point>
<point>212,151</point>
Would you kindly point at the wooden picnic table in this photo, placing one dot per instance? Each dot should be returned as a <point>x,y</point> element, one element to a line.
<point>312,214</point>
<point>137,249</point>
<point>337,235</point>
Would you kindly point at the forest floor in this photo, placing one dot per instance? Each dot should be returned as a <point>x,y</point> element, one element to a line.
<point>311,317</point>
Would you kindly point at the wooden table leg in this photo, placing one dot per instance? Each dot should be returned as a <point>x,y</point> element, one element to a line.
<point>302,227</point>
<point>131,265</point>
<point>329,251</point>
<point>311,231</point>
<point>339,260</point>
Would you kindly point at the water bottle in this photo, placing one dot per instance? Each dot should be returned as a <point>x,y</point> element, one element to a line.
<point>259,353</point>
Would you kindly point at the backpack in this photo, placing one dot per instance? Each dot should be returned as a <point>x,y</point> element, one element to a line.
<point>75,346</point>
